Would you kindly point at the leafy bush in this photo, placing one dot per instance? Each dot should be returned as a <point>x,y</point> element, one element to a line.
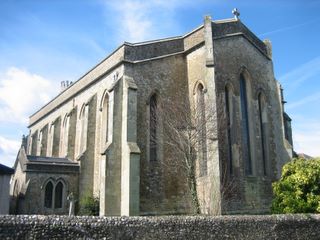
<point>298,190</point>
<point>89,206</point>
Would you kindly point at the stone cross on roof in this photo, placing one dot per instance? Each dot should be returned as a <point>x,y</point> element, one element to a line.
<point>236,13</point>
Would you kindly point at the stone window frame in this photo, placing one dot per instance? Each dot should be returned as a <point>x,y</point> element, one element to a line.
<point>40,137</point>
<point>64,137</point>
<point>54,183</point>
<point>83,128</point>
<point>263,130</point>
<point>245,74</point>
<point>229,116</point>
<point>55,135</point>
<point>159,144</point>
<point>202,148</point>
<point>43,141</point>
<point>33,146</point>
<point>49,192</point>
<point>105,120</point>
<point>153,128</point>
<point>51,130</point>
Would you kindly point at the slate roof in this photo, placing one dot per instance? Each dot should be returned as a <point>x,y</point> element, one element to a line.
<point>50,160</point>
<point>50,164</point>
<point>6,170</point>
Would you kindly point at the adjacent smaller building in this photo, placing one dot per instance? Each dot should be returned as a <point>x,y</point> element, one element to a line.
<point>41,185</point>
<point>5,175</point>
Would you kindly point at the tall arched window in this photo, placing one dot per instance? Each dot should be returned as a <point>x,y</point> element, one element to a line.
<point>39,146</point>
<point>201,128</point>
<point>48,194</point>
<point>34,143</point>
<point>58,193</point>
<point>44,141</point>
<point>153,121</point>
<point>245,126</point>
<point>84,128</point>
<point>56,143</point>
<point>65,136</point>
<point>228,102</point>
<point>263,130</point>
<point>104,122</point>
<point>50,140</point>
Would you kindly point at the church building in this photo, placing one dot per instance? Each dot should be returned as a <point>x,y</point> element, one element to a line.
<point>109,134</point>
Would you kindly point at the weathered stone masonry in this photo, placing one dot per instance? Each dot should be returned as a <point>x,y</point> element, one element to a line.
<point>225,227</point>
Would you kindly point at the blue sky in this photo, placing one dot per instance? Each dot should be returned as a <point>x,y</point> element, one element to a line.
<point>43,42</point>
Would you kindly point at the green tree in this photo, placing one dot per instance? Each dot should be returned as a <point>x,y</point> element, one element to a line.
<point>89,205</point>
<point>298,190</point>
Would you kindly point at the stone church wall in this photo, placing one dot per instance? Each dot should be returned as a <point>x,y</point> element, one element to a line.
<point>90,159</point>
<point>162,191</point>
<point>235,56</point>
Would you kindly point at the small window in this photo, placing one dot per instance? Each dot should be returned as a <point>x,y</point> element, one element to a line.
<point>58,193</point>
<point>48,195</point>
<point>53,195</point>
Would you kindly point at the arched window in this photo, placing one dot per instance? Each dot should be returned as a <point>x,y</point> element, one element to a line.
<point>153,121</point>
<point>50,140</point>
<point>84,128</point>
<point>43,141</point>
<point>65,136</point>
<point>245,126</point>
<point>228,105</point>
<point>201,128</point>
<point>39,147</point>
<point>53,194</point>
<point>56,133</point>
<point>58,193</point>
<point>48,194</point>
<point>34,143</point>
<point>263,130</point>
<point>104,122</point>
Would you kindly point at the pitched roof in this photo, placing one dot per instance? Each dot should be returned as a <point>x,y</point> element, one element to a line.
<point>6,170</point>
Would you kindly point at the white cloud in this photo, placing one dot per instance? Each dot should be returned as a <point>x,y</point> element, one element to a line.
<point>303,73</point>
<point>21,93</point>
<point>287,28</point>
<point>309,99</point>
<point>306,135</point>
<point>8,151</point>
<point>140,20</point>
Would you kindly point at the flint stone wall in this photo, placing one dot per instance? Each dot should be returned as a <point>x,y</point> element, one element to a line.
<point>168,227</point>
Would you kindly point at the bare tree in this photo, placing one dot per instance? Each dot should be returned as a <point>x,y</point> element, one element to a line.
<point>186,131</point>
<point>189,132</point>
